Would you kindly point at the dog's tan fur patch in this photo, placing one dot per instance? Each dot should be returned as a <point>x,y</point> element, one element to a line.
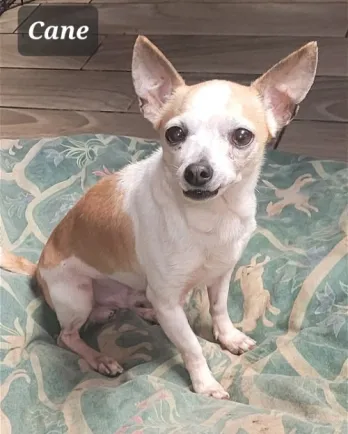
<point>109,246</point>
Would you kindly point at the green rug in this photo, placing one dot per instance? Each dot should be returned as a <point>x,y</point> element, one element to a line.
<point>293,382</point>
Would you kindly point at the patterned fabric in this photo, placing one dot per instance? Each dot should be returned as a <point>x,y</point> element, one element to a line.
<point>289,292</point>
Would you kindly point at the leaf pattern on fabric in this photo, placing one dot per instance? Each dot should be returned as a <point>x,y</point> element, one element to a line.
<point>54,156</point>
<point>289,291</point>
<point>13,343</point>
<point>16,205</point>
<point>84,152</point>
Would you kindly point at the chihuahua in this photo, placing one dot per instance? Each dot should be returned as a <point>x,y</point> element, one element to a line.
<point>143,237</point>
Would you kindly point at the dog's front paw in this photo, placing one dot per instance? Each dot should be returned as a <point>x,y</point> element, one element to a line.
<point>211,388</point>
<point>235,341</point>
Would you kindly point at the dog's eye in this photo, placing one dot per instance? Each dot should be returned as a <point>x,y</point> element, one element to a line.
<point>175,135</point>
<point>242,137</point>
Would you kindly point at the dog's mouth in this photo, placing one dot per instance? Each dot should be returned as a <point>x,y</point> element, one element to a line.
<point>198,194</point>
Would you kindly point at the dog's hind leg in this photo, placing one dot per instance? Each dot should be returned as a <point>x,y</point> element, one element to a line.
<point>101,315</point>
<point>72,299</point>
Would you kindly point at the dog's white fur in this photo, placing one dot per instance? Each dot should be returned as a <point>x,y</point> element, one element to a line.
<point>168,243</point>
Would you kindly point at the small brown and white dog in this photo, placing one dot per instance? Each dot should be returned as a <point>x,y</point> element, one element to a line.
<point>145,236</point>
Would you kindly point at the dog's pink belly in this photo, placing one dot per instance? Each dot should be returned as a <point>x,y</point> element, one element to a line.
<point>116,295</point>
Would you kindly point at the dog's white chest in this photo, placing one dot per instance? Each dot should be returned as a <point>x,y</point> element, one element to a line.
<point>221,243</point>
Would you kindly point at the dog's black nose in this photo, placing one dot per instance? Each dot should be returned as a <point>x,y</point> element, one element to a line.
<point>198,174</point>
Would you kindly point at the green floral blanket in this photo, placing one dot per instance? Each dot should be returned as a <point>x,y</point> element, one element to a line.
<point>293,275</point>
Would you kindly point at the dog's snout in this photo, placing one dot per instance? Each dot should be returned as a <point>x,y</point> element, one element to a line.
<point>198,174</point>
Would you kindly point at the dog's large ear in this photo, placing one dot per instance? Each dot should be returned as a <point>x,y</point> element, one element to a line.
<point>286,84</point>
<point>154,78</point>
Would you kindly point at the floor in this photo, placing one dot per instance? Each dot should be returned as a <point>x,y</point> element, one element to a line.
<point>50,96</point>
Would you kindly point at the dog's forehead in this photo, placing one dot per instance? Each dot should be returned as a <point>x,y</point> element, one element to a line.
<point>211,96</point>
<point>217,102</point>
<point>218,96</point>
